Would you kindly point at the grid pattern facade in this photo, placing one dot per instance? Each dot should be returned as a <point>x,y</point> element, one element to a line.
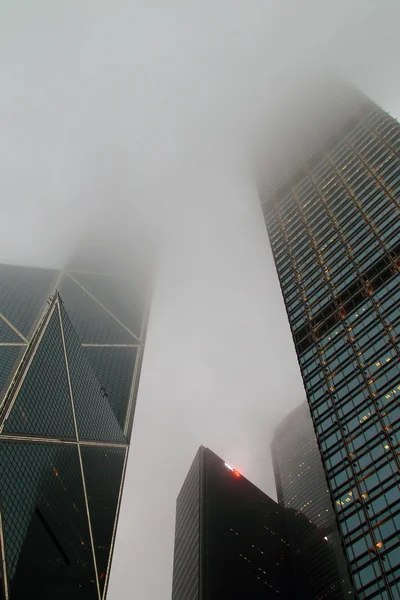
<point>43,405</point>
<point>95,419</point>
<point>9,359</point>
<point>105,329</point>
<point>312,527</point>
<point>22,292</point>
<point>186,575</point>
<point>103,468</point>
<point>334,230</point>
<point>62,533</point>
<point>63,447</point>
<point>230,538</point>
<point>114,366</point>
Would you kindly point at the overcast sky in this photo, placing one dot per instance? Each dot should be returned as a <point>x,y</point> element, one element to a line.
<point>150,107</point>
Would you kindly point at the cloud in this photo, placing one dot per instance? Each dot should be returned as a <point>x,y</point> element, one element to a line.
<point>138,119</point>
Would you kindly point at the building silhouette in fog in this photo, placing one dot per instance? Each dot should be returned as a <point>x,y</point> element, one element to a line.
<point>71,346</point>
<point>230,539</point>
<point>330,197</point>
<point>319,563</point>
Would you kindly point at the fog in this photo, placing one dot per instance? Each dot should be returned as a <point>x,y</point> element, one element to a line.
<point>138,119</point>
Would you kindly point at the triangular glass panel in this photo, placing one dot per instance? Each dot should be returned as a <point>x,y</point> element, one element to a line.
<point>103,469</point>
<point>122,298</point>
<point>95,418</point>
<point>114,368</point>
<point>23,294</point>
<point>92,323</point>
<point>43,405</point>
<point>7,335</point>
<point>45,528</point>
<point>9,356</point>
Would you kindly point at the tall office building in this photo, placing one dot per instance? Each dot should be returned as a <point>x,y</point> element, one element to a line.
<point>333,223</point>
<point>230,539</point>
<point>313,534</point>
<point>71,346</point>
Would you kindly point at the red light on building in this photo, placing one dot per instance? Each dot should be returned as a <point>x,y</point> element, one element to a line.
<point>234,471</point>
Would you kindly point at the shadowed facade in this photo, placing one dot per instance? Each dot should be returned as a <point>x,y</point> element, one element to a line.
<point>230,537</point>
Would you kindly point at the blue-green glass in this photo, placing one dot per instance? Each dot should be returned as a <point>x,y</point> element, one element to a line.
<point>46,535</point>
<point>9,356</point>
<point>7,335</point>
<point>23,294</point>
<point>95,417</point>
<point>122,298</point>
<point>43,405</point>
<point>91,322</point>
<point>103,468</point>
<point>114,368</point>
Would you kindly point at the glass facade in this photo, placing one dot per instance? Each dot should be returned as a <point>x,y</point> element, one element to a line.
<point>66,411</point>
<point>320,565</point>
<point>230,539</point>
<point>108,314</point>
<point>186,576</point>
<point>334,229</point>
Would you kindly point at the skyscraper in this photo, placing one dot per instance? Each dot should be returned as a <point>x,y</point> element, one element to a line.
<point>230,537</point>
<point>334,228</point>
<point>302,488</point>
<point>71,346</point>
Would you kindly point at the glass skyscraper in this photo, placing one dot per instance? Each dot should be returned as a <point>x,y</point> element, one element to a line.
<point>230,537</point>
<point>71,346</point>
<point>313,534</point>
<point>334,226</point>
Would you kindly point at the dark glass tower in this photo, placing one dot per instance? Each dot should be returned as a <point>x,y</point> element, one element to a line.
<point>71,345</point>
<point>334,228</point>
<point>230,537</point>
<point>313,534</point>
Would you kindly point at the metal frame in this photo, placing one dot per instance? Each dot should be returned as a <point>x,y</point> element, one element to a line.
<point>130,411</point>
<point>3,559</point>
<point>18,375</point>
<point>15,330</point>
<point>100,304</point>
<point>112,545</point>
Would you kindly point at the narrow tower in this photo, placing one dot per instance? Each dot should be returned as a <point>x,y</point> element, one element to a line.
<point>320,565</point>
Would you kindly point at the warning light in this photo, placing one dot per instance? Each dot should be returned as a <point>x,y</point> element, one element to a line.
<point>102,576</point>
<point>234,471</point>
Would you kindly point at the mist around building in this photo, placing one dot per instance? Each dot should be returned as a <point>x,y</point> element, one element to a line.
<point>160,201</point>
<point>330,195</point>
